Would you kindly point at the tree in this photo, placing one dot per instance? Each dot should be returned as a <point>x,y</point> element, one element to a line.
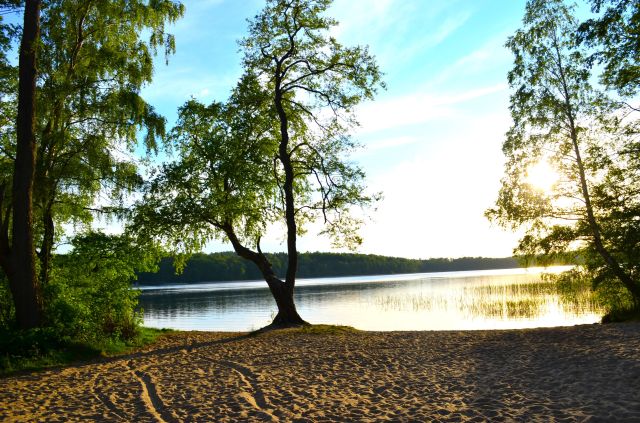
<point>616,36</point>
<point>18,258</point>
<point>93,64</point>
<point>275,152</point>
<point>559,117</point>
<point>95,61</point>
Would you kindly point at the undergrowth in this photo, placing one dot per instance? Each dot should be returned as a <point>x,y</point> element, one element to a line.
<point>40,348</point>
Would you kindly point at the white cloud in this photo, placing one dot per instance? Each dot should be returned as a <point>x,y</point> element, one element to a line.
<point>448,27</point>
<point>390,26</point>
<point>416,108</point>
<point>434,200</point>
<point>490,58</point>
<point>432,142</point>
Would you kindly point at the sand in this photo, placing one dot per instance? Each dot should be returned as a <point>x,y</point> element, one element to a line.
<point>583,373</point>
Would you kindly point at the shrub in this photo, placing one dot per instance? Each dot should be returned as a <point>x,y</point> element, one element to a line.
<point>90,294</point>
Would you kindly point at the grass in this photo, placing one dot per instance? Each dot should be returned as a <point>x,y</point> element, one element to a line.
<point>327,329</point>
<point>39,349</point>
<point>309,329</point>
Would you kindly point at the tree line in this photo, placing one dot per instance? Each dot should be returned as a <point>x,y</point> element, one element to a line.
<point>227,266</point>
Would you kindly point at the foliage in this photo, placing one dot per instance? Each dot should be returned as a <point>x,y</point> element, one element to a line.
<point>93,64</point>
<point>89,306</point>
<point>223,178</point>
<point>93,61</point>
<point>42,347</point>
<point>90,295</point>
<point>314,83</point>
<point>560,118</point>
<point>540,131</point>
<point>234,147</point>
<point>8,93</point>
<point>616,36</point>
<point>607,294</point>
<point>7,309</point>
<point>9,36</point>
<point>94,57</point>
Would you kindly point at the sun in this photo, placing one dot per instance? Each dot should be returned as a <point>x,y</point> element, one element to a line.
<point>542,177</point>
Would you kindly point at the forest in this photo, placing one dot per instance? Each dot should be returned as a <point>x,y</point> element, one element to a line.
<point>79,143</point>
<point>229,267</point>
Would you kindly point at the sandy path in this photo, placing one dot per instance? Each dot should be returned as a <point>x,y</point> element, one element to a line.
<point>586,373</point>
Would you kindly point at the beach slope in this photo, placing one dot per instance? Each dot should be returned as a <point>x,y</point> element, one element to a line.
<point>579,373</point>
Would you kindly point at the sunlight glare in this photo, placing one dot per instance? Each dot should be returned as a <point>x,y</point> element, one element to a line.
<point>542,177</point>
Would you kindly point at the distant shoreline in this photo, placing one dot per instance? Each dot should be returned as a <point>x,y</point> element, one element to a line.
<point>368,278</point>
<point>225,267</point>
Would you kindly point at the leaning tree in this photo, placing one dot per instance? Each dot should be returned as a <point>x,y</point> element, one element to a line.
<point>275,152</point>
<point>560,118</point>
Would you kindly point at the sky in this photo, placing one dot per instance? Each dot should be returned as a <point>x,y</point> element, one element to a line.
<point>431,141</point>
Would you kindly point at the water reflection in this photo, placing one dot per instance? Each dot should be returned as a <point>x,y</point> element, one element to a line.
<point>452,301</point>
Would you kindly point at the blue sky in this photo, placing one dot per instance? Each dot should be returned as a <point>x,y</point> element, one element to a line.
<point>431,141</point>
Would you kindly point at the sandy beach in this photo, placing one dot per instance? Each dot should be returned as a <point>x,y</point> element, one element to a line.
<point>583,373</point>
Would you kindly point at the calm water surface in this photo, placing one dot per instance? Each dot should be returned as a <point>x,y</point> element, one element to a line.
<point>489,299</point>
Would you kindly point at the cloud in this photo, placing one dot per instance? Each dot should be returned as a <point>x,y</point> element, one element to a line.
<point>416,108</point>
<point>356,16</point>
<point>398,31</point>
<point>432,141</point>
<point>448,27</point>
<point>492,57</point>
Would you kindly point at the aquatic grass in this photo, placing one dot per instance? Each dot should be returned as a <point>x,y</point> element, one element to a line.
<point>401,303</point>
<point>522,297</point>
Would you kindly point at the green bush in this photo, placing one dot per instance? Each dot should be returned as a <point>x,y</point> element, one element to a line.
<point>90,294</point>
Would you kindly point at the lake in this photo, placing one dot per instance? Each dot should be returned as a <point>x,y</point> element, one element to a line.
<point>486,299</point>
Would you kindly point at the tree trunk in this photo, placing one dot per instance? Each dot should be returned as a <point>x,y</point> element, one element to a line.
<point>23,279</point>
<point>630,284</point>
<point>287,314</point>
<point>47,245</point>
<point>46,189</point>
<point>289,202</point>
